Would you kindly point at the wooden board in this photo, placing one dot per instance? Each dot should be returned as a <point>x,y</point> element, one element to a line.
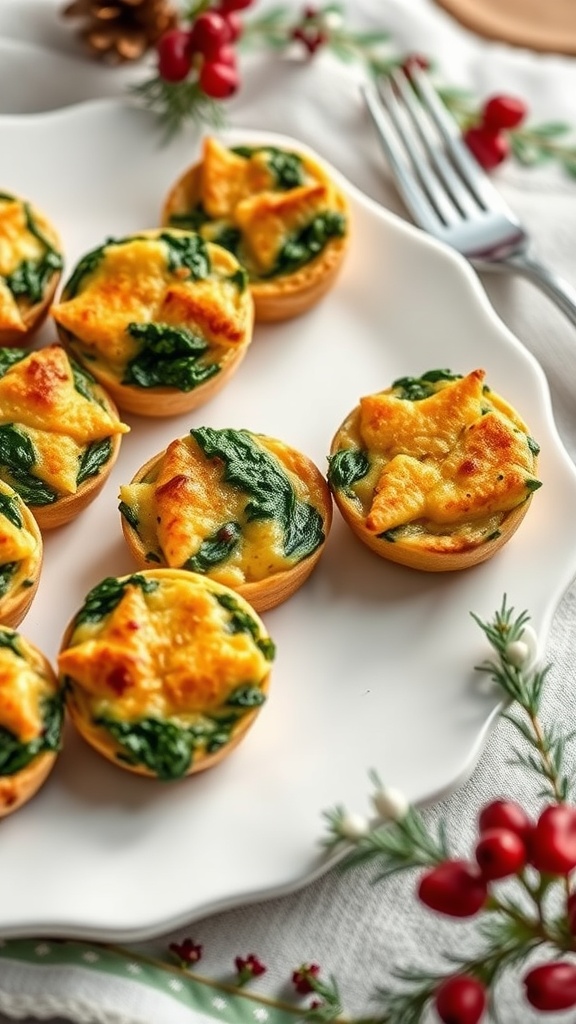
<point>545,25</point>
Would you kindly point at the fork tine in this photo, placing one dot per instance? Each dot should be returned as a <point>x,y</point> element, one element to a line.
<point>478,182</point>
<point>413,195</point>
<point>433,144</point>
<point>392,100</point>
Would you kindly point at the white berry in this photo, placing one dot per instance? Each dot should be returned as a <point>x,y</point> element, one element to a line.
<point>353,826</point>
<point>390,804</point>
<point>517,653</point>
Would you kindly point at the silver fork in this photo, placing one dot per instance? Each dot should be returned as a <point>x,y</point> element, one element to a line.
<point>446,190</point>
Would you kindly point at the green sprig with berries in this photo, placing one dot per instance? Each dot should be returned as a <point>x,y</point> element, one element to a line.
<point>537,909</point>
<point>197,69</point>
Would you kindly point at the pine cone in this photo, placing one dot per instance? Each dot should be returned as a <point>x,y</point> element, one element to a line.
<point>121,30</point>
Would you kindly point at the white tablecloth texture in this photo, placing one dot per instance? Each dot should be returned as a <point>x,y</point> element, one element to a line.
<point>355,929</point>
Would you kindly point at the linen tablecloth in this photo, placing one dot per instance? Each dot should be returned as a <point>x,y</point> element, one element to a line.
<point>354,929</point>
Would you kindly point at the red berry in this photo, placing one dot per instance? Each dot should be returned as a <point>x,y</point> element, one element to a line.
<point>503,112</point>
<point>234,5</point>
<point>500,853</point>
<point>226,55</point>
<point>218,80</point>
<point>234,26</point>
<point>488,146</point>
<point>460,1000</point>
<point>505,814</point>
<point>208,34</point>
<point>173,56</point>
<point>454,887</point>
<point>551,986</point>
<point>553,842</point>
<point>414,60</point>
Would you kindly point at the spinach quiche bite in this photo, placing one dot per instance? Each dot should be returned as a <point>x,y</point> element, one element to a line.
<point>30,268</point>
<point>165,671</point>
<point>31,719</point>
<point>21,553</point>
<point>436,472</point>
<point>162,319</point>
<point>245,509</point>
<point>59,432</point>
<point>277,210</point>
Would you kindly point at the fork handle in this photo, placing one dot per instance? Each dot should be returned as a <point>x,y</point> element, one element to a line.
<point>555,287</point>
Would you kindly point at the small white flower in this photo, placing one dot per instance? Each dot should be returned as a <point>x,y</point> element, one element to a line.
<point>390,804</point>
<point>42,949</point>
<point>133,968</point>
<point>331,21</point>
<point>175,985</point>
<point>219,1004</point>
<point>353,826</point>
<point>90,956</point>
<point>261,1014</point>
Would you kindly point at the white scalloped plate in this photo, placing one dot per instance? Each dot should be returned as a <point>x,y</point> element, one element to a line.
<point>375,661</point>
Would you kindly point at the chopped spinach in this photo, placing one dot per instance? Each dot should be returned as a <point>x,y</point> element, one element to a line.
<point>106,595</point>
<point>413,389</point>
<point>15,755</point>
<point>9,509</point>
<point>287,167</point>
<point>17,457</point>
<point>215,549</point>
<point>10,639</point>
<point>31,277</point>
<point>92,459</point>
<point>190,220</point>
<point>309,242</point>
<point>87,265</point>
<point>533,445</point>
<point>84,382</point>
<point>258,474</point>
<point>229,238</point>
<point>10,356</point>
<point>246,696</point>
<point>241,622</point>
<point>6,576</point>
<point>129,514</point>
<point>346,467</point>
<point>187,252</point>
<point>169,357</point>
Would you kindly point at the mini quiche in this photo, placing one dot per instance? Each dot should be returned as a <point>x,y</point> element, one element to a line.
<point>436,472</point>
<point>164,671</point>
<point>277,210</point>
<point>31,720</point>
<point>21,552</point>
<point>162,319</point>
<point>245,509</point>
<point>30,268</point>
<point>59,432</point>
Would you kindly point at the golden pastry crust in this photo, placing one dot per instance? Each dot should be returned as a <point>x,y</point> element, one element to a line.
<point>165,671</point>
<point>60,433</point>
<point>435,472</point>
<point>182,510</point>
<point>21,554</point>
<point>266,210</point>
<point>162,319</point>
<point>31,717</point>
<point>30,269</point>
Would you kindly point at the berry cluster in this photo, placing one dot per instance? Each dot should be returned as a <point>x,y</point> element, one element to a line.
<point>509,842</point>
<point>488,139</point>
<point>205,49</point>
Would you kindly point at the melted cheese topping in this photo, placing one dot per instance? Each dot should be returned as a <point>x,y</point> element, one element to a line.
<point>37,395</point>
<point>188,501</point>
<point>460,456</point>
<point>24,682</point>
<point>168,653</point>
<point>16,542</point>
<point>242,192</point>
<point>133,283</point>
